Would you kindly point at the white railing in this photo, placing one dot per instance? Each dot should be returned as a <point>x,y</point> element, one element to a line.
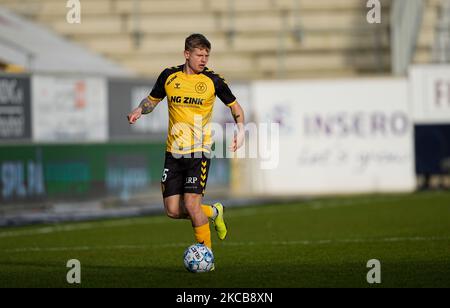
<point>441,47</point>
<point>406,19</point>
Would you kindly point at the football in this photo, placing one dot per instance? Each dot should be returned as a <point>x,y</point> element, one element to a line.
<point>198,258</point>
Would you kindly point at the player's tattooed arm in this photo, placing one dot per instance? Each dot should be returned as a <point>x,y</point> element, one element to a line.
<point>238,115</point>
<point>147,105</point>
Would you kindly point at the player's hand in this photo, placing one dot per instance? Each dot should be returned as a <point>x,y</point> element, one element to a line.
<point>134,115</point>
<point>238,141</point>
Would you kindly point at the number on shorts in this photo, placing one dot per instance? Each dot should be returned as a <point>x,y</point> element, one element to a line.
<point>164,177</point>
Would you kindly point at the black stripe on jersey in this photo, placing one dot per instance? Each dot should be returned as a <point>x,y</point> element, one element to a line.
<point>221,87</point>
<point>159,90</point>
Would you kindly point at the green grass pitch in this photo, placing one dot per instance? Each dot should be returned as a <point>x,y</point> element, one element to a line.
<point>323,242</point>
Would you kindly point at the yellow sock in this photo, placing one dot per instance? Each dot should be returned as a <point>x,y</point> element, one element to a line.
<point>203,235</point>
<point>208,210</point>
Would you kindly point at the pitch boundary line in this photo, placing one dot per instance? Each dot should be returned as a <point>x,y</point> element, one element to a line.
<point>249,243</point>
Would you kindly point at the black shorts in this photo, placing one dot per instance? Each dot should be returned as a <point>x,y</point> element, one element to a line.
<point>184,175</point>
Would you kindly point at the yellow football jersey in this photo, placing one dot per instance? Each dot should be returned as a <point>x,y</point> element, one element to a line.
<point>191,100</point>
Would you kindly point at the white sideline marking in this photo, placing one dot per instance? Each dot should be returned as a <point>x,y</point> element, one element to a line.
<point>251,243</point>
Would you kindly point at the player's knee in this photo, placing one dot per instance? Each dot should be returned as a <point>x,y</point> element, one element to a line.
<point>173,214</point>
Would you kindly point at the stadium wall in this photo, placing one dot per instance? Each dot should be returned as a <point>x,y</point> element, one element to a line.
<point>352,136</point>
<point>336,136</point>
<point>55,172</point>
<point>66,137</point>
<point>78,171</point>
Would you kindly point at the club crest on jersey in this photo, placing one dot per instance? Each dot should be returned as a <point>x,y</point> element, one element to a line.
<point>201,87</point>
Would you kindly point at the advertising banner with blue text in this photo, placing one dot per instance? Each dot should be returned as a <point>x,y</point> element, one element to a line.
<point>337,136</point>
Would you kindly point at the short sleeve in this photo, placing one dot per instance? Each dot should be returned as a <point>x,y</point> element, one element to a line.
<point>159,92</point>
<point>224,93</point>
